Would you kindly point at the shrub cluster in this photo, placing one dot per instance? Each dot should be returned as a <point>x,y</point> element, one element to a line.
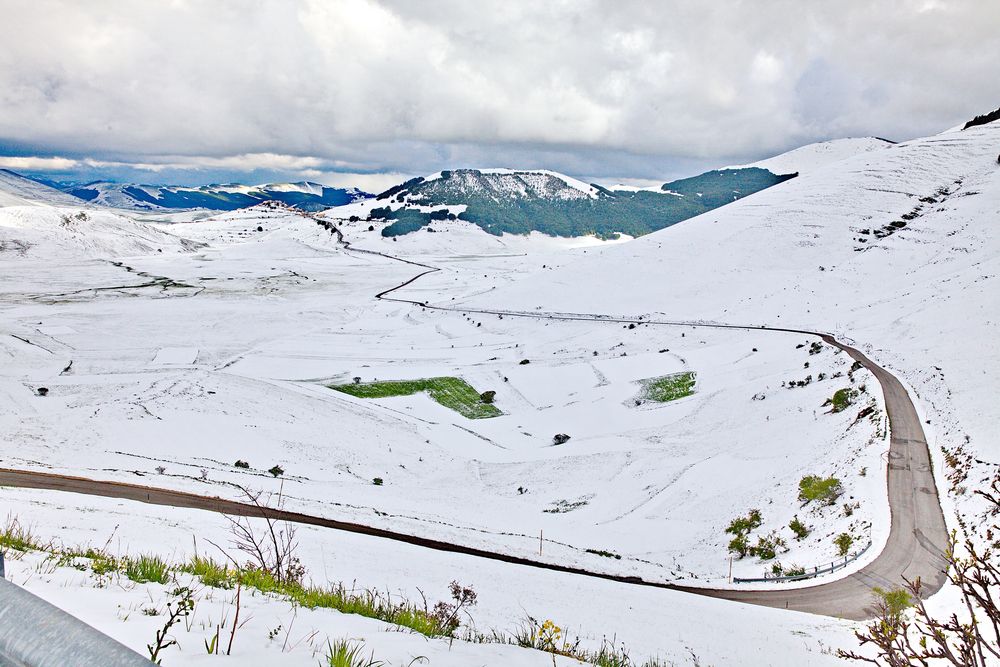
<point>825,490</point>
<point>740,528</point>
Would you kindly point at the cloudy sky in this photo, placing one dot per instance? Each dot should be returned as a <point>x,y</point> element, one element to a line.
<point>367,92</point>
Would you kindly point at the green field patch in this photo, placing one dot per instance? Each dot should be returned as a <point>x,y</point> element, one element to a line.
<point>451,392</point>
<point>667,387</point>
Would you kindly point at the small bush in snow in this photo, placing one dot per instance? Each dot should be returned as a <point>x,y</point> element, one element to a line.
<point>488,396</point>
<point>276,471</point>
<point>559,438</point>
<point>767,546</point>
<point>800,529</point>
<point>378,481</point>
<point>240,463</point>
<point>740,528</point>
<point>841,399</point>
<point>742,524</point>
<point>843,542</point>
<point>823,489</point>
<point>739,545</point>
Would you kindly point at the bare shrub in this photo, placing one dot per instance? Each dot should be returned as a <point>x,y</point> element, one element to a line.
<point>271,549</point>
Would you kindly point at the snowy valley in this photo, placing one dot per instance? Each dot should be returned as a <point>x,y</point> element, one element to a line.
<point>341,373</point>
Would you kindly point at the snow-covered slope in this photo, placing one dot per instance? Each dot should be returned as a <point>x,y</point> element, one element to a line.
<point>17,190</point>
<point>814,156</point>
<point>897,249</point>
<point>47,232</point>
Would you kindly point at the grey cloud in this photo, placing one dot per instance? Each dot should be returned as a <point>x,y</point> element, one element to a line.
<point>631,89</point>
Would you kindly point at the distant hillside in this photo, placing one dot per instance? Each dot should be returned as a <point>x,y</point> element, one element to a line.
<point>18,190</point>
<point>305,195</point>
<point>518,202</point>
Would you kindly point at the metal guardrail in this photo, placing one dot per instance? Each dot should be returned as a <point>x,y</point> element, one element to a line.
<point>816,571</point>
<point>34,633</point>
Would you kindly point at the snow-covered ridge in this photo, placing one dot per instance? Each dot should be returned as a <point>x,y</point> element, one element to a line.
<point>813,156</point>
<point>535,178</point>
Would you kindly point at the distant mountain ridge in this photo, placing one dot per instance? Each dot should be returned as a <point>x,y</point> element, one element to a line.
<point>522,201</point>
<point>304,195</point>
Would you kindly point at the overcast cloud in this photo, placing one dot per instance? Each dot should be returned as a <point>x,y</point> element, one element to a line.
<point>195,91</point>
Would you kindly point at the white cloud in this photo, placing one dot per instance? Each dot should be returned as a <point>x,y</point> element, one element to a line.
<point>364,86</point>
<point>241,163</point>
<point>766,68</point>
<point>37,163</point>
<point>368,182</point>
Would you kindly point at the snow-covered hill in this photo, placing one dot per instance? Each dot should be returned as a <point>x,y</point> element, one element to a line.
<point>501,183</point>
<point>896,248</point>
<point>18,190</point>
<point>50,233</point>
<point>519,202</point>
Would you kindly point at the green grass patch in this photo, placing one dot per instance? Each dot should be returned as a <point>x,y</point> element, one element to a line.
<point>18,537</point>
<point>668,387</point>
<point>451,392</point>
<point>371,604</point>
<point>211,572</point>
<point>344,653</point>
<point>147,568</point>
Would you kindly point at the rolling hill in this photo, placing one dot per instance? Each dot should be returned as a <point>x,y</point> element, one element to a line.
<point>518,202</point>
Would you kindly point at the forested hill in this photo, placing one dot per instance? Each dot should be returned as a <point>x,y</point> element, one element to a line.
<point>519,202</point>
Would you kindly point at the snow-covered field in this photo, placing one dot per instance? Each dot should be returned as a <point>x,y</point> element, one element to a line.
<point>170,351</point>
<point>271,317</point>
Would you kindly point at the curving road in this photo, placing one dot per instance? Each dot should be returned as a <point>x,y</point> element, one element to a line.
<point>917,537</point>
